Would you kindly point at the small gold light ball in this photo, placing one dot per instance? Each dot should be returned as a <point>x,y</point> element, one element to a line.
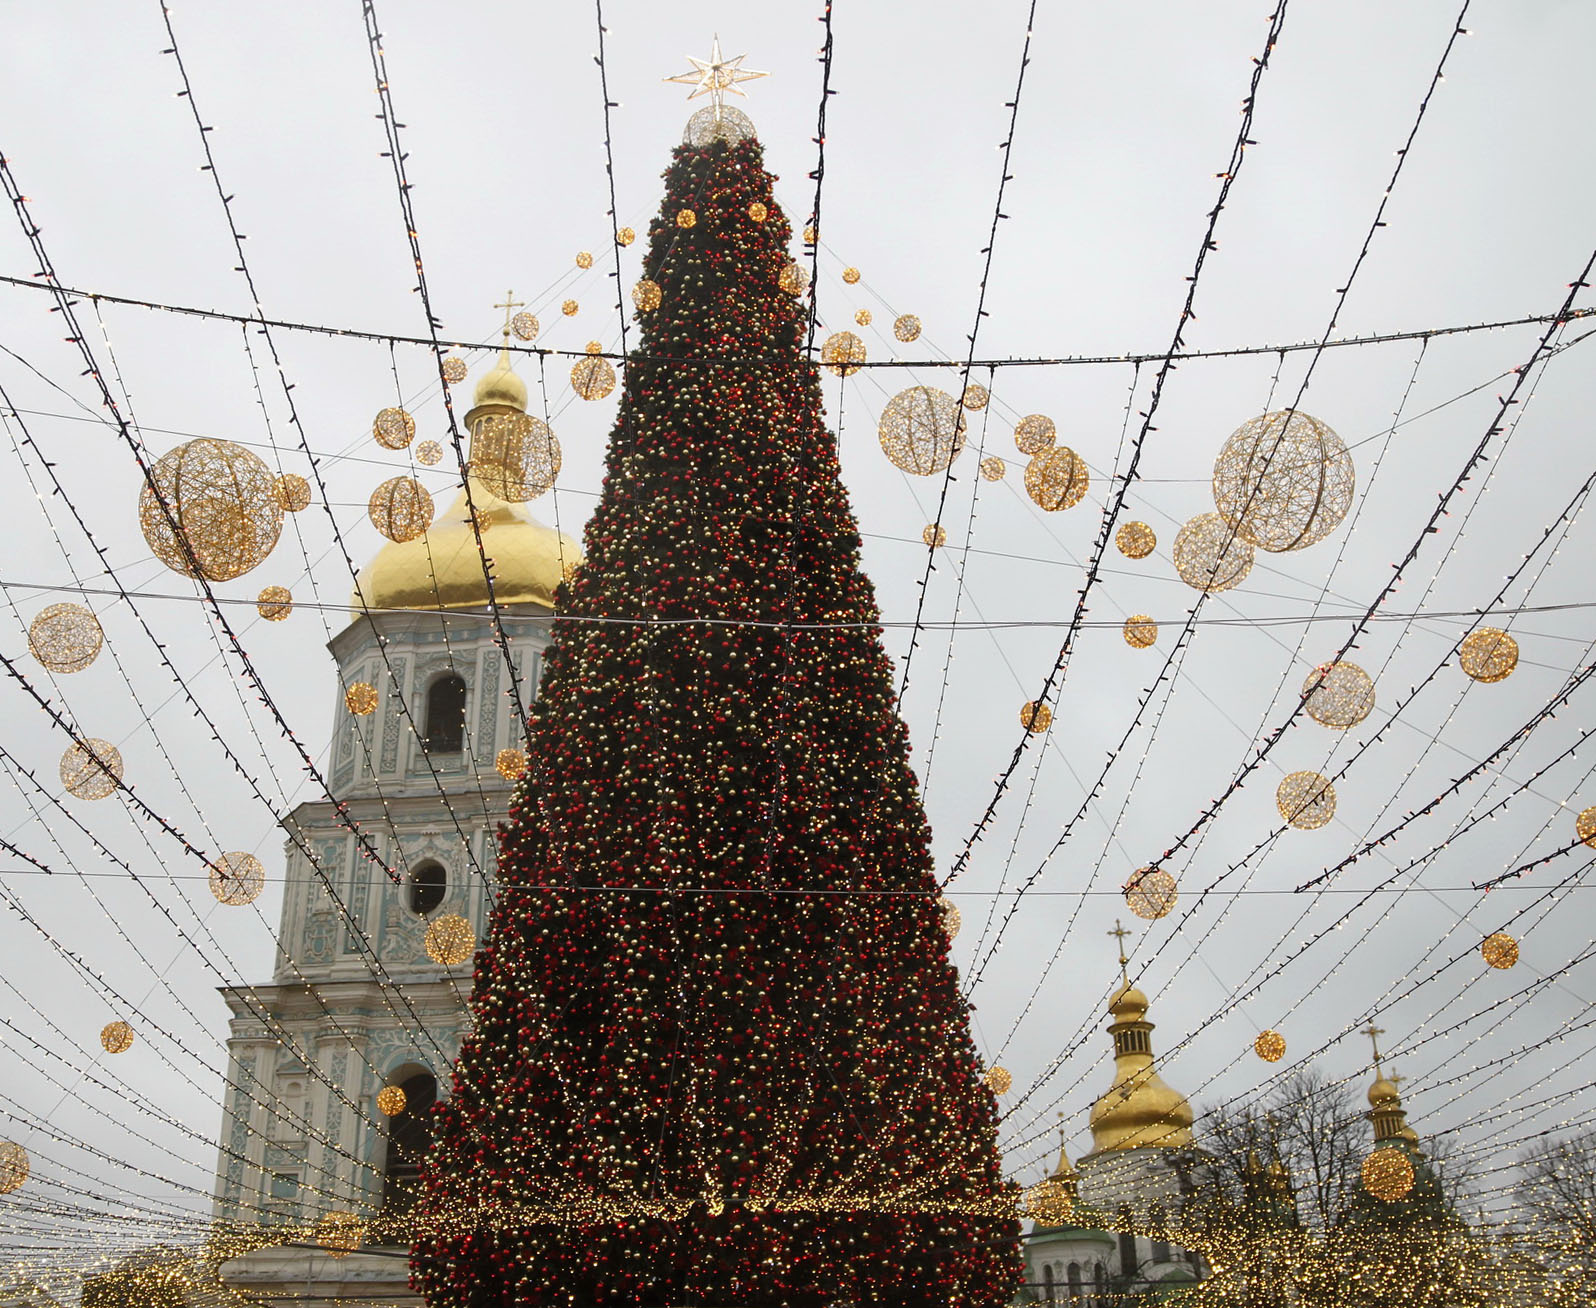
<point>274,603</point>
<point>592,378</point>
<point>686,218</point>
<point>584,259</point>
<point>794,277</point>
<point>1306,800</point>
<point>1151,893</point>
<point>511,764</point>
<point>570,308</point>
<point>1140,631</point>
<point>91,770</point>
<point>952,919</point>
<point>1585,826</point>
<point>862,317</point>
<point>1488,654</point>
<point>1338,695</point>
<point>401,509</point>
<point>65,637</point>
<point>850,275</point>
<point>625,236</point>
<point>934,535</point>
<point>646,295</point>
<point>906,327</point>
<point>993,468</point>
<point>116,1037</point>
<point>361,698</point>
<point>429,453</point>
<point>1034,433</point>
<point>1499,950</point>
<point>391,1100</point>
<point>999,1080</point>
<point>1388,1174</point>
<point>339,1234</point>
<point>1056,479</point>
<point>1210,556</point>
<point>450,940</point>
<point>758,212</point>
<point>393,429</point>
<point>1035,717</point>
<point>454,370</point>
<point>976,397</point>
<point>524,325</point>
<point>14,1166</point>
<point>292,492</point>
<point>842,352</point>
<point>237,878</point>
<point>1270,1046</point>
<point>1135,540</point>
<point>811,234</point>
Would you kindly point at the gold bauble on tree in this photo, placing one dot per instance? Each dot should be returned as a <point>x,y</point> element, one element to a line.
<point>976,397</point>
<point>391,1100</point>
<point>1585,826</point>
<point>1034,433</point>
<point>92,769</point>
<point>361,698</point>
<point>450,940</point>
<point>1270,1046</point>
<point>1056,479</point>
<point>224,502</point>
<point>1136,540</point>
<point>1488,654</point>
<point>65,637</point>
<point>516,456</point>
<point>13,1166</point>
<point>1388,1174</point>
<point>1283,481</point>
<point>1499,950</point>
<point>758,212</point>
<point>393,429</point>
<point>292,492</point>
<point>274,603</point>
<point>116,1037</point>
<point>906,327</point>
<point>454,370</point>
<point>1209,556</point>
<point>592,378</point>
<point>1338,695</point>
<point>842,352</point>
<point>339,1233</point>
<point>1307,800</point>
<point>999,1080</point>
<point>511,764</point>
<point>686,218</point>
<point>1140,631</point>
<point>525,325</point>
<point>429,454</point>
<point>1035,717</point>
<point>237,878</point>
<point>646,295</point>
<point>922,430</point>
<point>934,535</point>
<point>401,509</point>
<point>1151,893</point>
<point>993,468</point>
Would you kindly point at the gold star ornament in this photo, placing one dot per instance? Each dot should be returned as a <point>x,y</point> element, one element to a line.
<point>716,76</point>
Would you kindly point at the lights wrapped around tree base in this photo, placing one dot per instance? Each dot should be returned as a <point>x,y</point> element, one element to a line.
<point>1488,654</point>
<point>1307,800</point>
<point>1338,695</point>
<point>1499,950</point>
<point>14,1166</point>
<point>91,770</point>
<point>450,940</point>
<point>65,637</point>
<point>1388,1174</point>
<point>391,1100</point>
<point>237,878</point>
<point>224,503</point>
<point>1270,1046</point>
<point>1151,893</point>
<point>116,1037</point>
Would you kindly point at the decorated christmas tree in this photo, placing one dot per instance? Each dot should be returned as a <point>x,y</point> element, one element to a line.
<point>719,1054</point>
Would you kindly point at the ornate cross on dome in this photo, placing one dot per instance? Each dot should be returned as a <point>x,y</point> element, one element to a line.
<point>1373,1032</point>
<point>1121,933</point>
<point>715,76</point>
<point>510,305</point>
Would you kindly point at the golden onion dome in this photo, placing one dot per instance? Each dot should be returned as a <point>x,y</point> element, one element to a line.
<point>1140,1110</point>
<point>1128,1004</point>
<point>442,568</point>
<point>1383,1091</point>
<point>500,386</point>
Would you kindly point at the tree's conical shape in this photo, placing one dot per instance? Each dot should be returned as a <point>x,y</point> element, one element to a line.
<point>719,1055</point>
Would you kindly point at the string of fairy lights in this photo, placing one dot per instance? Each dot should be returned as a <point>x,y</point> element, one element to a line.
<point>151,1214</point>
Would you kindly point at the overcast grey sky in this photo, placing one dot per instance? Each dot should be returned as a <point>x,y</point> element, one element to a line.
<point>1127,115</point>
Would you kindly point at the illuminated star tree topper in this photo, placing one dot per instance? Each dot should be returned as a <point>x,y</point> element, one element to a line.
<point>716,76</point>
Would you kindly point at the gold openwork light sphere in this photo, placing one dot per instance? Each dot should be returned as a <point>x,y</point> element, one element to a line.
<point>116,1037</point>
<point>1488,654</point>
<point>429,454</point>
<point>863,317</point>
<point>1499,950</point>
<point>1270,1046</point>
<point>516,456</point>
<point>999,1080</point>
<point>1151,893</point>
<point>993,468</point>
<point>584,259</point>
<point>340,1234</point>
<point>646,295</point>
<point>1056,479</point>
<point>511,764</point>
<point>1338,695</point>
<point>393,429</point>
<point>922,430</point>
<point>1585,826</point>
<point>1388,1174</point>
<point>221,500</point>
<point>525,325</point>
<point>237,878</point>
<point>934,535</point>
<point>570,308</point>
<point>91,770</point>
<point>65,637</point>
<point>1307,800</point>
<point>1034,433</point>
<point>952,919</point>
<point>13,1166</point>
<point>976,397</point>
<point>592,378</point>
<point>758,212</point>
<point>274,603</point>
<point>1035,717</point>
<point>851,276</point>
<point>1283,481</point>
<point>1049,1203</point>
<point>1209,556</point>
<point>906,327</point>
<point>292,492</point>
<point>811,234</point>
<point>793,278</point>
<point>401,509</point>
<point>1140,631</point>
<point>686,218</point>
<point>704,128</point>
<point>1136,540</point>
<point>454,370</point>
<point>361,698</point>
<point>843,352</point>
<point>391,1101</point>
<point>450,940</point>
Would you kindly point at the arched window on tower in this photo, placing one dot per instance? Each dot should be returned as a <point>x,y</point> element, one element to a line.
<point>1100,1281</point>
<point>446,710</point>
<point>428,882</point>
<point>409,1138</point>
<point>1127,1250</point>
<point>1075,1282</point>
<point>1049,1292</point>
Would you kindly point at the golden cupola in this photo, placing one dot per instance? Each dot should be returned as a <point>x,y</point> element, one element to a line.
<point>442,569</point>
<point>1389,1118</point>
<point>1140,1111</point>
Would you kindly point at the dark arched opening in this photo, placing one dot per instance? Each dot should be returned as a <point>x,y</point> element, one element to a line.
<point>446,709</point>
<point>409,1138</point>
<point>428,882</point>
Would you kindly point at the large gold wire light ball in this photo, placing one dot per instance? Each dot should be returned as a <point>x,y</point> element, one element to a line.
<point>340,1233</point>
<point>1307,800</point>
<point>842,352</point>
<point>65,637</point>
<point>1140,631</point>
<point>361,698</point>
<point>401,509</point>
<point>13,1166</point>
<point>116,1037</point>
<point>686,218</point>
<point>454,370</point>
<point>1270,1046</point>
<point>224,503</point>
<point>274,603</point>
<point>592,378</point>
<point>952,919</point>
<point>758,212</point>
<point>1136,540</point>
<point>1338,695</point>
<point>625,236</point>
<point>584,260</point>
<point>570,308</point>
<point>1056,479</point>
<point>993,468</point>
<point>793,278</point>
<point>511,764</point>
<point>707,126</point>
<point>292,492</point>
<point>1035,716</point>
<point>999,1080</point>
<point>1283,480</point>
<point>1499,950</point>
<point>450,940</point>
<point>646,295</point>
<point>1488,654</point>
<point>237,878</point>
<point>1049,1202</point>
<point>976,397</point>
<point>1585,826</point>
<point>429,454</point>
<point>906,327</point>
<point>391,1101</point>
<point>863,317</point>
<point>1388,1174</point>
<point>934,535</point>
<point>851,276</point>
<point>394,429</point>
<point>92,769</point>
<point>1151,893</point>
<point>525,325</point>
<point>516,456</point>
<point>1034,433</point>
<point>1204,559</point>
<point>922,430</point>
